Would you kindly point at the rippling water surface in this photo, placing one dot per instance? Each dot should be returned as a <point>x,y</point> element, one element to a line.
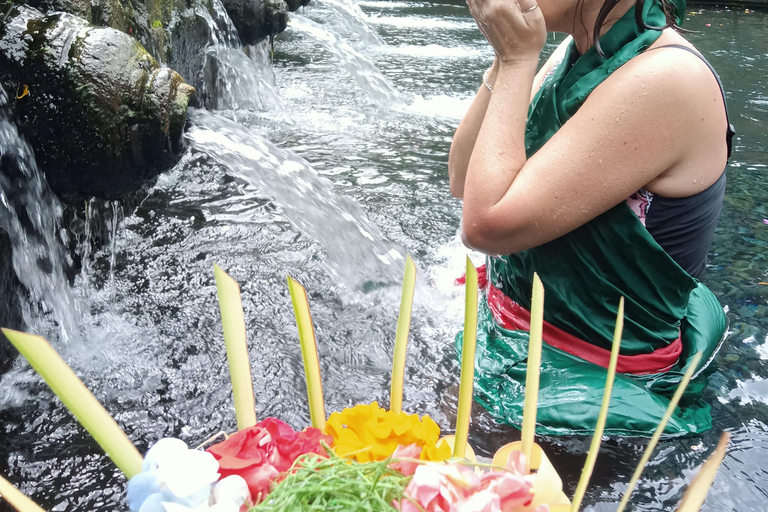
<point>364,129</point>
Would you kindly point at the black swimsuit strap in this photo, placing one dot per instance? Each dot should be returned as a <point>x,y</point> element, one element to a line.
<point>731,130</point>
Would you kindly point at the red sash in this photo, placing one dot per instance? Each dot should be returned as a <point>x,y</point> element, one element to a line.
<point>512,316</point>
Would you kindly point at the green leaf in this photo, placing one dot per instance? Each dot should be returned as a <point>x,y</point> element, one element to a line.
<point>401,337</point>
<point>16,498</point>
<point>233,324</point>
<point>594,448</point>
<point>467,384</point>
<point>533,369</point>
<point>659,430</point>
<point>80,402</point>
<point>697,491</point>
<point>308,353</point>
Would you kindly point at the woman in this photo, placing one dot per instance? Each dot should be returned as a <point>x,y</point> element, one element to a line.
<point>603,173</point>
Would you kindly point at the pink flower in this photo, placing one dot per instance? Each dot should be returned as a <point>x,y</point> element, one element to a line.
<point>516,463</point>
<point>439,487</point>
<point>482,501</point>
<point>260,453</point>
<point>406,467</point>
<point>513,490</point>
<point>454,487</point>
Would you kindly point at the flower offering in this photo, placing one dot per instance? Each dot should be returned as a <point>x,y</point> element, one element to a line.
<point>368,433</point>
<point>260,453</point>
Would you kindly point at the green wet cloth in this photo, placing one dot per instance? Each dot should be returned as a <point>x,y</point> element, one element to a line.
<point>571,389</point>
<point>584,273</point>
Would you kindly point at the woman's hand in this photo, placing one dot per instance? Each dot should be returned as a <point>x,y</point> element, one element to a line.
<point>515,29</point>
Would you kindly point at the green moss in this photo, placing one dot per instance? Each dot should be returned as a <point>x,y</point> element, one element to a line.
<point>157,24</point>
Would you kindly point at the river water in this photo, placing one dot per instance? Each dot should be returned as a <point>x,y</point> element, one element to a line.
<point>330,172</point>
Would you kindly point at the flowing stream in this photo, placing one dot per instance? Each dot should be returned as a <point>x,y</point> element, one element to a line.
<point>328,163</point>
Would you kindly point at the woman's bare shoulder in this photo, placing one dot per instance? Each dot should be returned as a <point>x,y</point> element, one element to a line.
<point>688,94</point>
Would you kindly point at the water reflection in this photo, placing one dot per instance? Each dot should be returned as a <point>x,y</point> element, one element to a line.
<point>153,348</point>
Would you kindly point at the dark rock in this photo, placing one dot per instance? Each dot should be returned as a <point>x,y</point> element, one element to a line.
<point>103,118</point>
<point>10,309</point>
<point>155,23</point>
<point>188,36</point>
<point>256,20</point>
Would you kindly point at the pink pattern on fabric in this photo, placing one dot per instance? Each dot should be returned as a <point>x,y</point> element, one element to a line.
<point>639,203</point>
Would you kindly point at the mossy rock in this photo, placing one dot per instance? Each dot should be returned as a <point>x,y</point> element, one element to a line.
<point>101,115</point>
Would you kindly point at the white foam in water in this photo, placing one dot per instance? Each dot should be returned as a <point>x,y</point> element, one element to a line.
<point>437,51</point>
<point>422,23</point>
<point>440,106</point>
<point>374,4</point>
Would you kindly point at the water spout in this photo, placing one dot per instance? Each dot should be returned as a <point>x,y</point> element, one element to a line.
<point>356,251</point>
<point>355,21</point>
<point>364,72</point>
<point>31,215</point>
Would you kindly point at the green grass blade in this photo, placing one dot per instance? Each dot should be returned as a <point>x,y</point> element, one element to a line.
<point>233,323</point>
<point>80,402</point>
<point>467,363</point>
<point>401,338</point>
<point>308,353</point>
<point>659,431</point>
<point>594,448</point>
<point>694,497</point>
<point>16,498</point>
<point>533,368</point>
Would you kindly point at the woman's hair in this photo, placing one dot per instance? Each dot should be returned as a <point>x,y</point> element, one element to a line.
<point>668,8</point>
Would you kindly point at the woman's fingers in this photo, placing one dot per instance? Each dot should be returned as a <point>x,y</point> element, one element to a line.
<point>530,12</point>
<point>527,5</point>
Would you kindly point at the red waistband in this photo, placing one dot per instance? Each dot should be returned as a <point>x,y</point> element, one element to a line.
<point>511,315</point>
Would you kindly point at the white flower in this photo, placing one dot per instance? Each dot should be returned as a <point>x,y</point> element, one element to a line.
<point>173,475</point>
<point>232,489</point>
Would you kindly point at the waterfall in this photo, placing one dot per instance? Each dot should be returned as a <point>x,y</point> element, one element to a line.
<point>236,82</point>
<point>356,251</point>
<point>360,68</point>
<point>31,215</point>
<point>355,21</point>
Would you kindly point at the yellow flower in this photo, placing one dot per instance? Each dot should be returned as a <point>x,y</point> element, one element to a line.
<point>367,433</point>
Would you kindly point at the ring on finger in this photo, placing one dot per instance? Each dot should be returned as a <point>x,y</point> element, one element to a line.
<point>531,8</point>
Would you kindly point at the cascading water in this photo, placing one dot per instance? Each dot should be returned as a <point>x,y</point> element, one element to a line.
<point>364,72</point>
<point>354,21</point>
<point>233,80</point>
<point>31,215</point>
<point>152,348</point>
<point>307,200</point>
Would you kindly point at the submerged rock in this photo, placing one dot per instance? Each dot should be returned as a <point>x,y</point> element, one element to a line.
<point>102,117</point>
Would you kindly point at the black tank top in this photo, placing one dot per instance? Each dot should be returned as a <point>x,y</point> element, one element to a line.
<point>684,226</point>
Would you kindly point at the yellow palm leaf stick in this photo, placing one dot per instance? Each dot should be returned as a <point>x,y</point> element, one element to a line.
<point>308,353</point>
<point>16,498</point>
<point>467,383</point>
<point>401,337</point>
<point>594,448</point>
<point>694,497</point>
<point>532,372</point>
<point>659,430</point>
<point>80,402</point>
<point>233,324</point>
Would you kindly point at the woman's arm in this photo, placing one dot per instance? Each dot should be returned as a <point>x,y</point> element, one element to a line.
<point>464,139</point>
<point>466,134</point>
<point>651,121</point>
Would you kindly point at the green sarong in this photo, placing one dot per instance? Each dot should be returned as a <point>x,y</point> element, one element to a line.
<point>584,273</point>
